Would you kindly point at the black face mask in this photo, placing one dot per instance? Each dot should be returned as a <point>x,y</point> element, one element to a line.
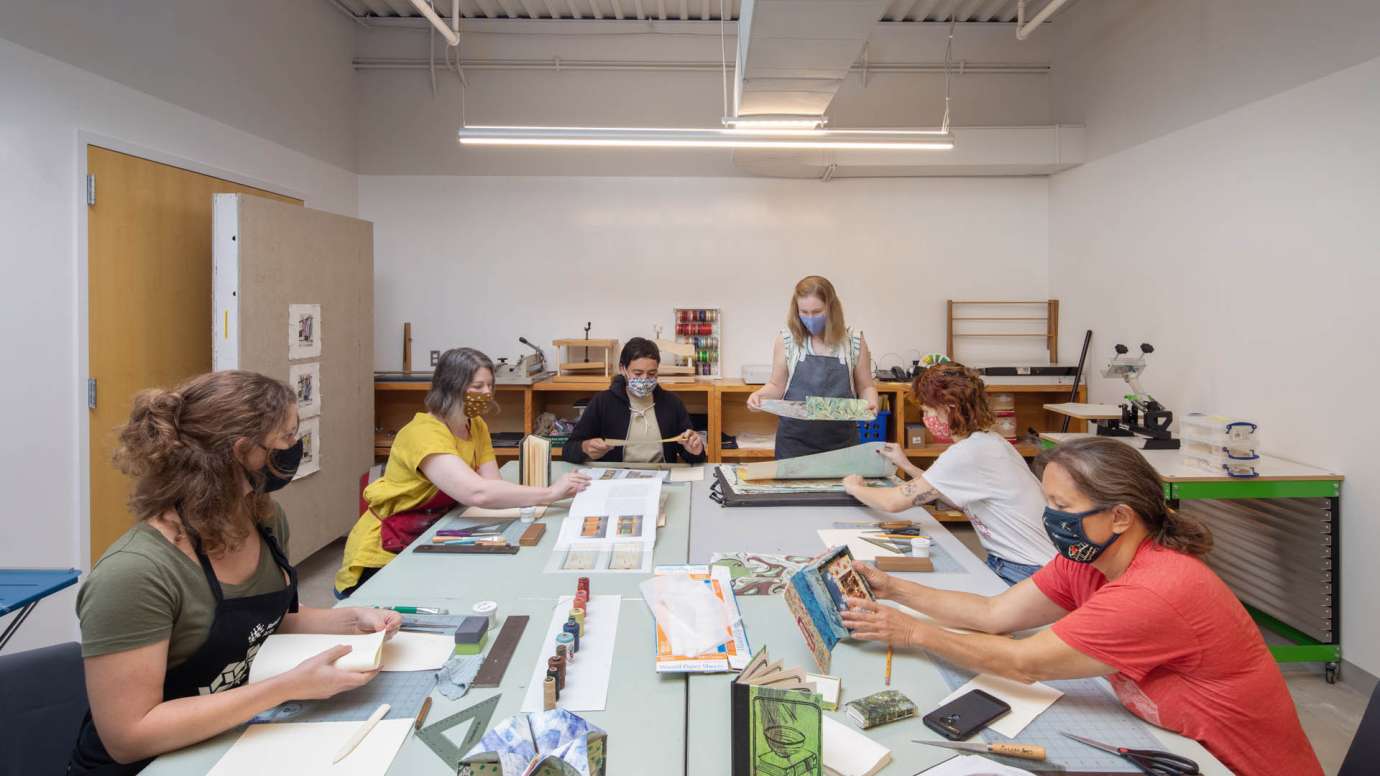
<point>281,466</point>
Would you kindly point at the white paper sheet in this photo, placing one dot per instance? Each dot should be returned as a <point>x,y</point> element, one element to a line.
<point>305,381</point>
<point>299,748</point>
<point>281,652</point>
<point>411,651</point>
<point>688,474</point>
<point>612,511</point>
<point>848,752</point>
<point>1027,701</point>
<point>304,331</point>
<point>603,473</point>
<point>587,677</point>
<point>309,431</point>
<point>860,549</point>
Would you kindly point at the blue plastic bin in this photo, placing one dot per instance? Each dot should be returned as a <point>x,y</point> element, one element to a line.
<point>873,430</point>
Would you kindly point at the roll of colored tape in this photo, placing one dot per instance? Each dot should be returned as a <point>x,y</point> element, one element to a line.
<point>488,610</point>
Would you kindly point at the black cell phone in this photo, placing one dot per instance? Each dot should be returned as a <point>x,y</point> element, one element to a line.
<point>966,715</point>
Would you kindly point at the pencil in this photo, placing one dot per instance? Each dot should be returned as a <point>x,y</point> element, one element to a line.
<point>888,665</point>
<point>421,715</point>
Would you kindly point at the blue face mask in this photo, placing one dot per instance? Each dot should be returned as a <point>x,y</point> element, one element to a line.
<point>1065,529</point>
<point>814,323</point>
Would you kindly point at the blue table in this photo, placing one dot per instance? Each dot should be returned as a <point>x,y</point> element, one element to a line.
<point>22,589</point>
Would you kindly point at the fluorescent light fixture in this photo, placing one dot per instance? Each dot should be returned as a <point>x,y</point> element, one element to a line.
<point>775,121</point>
<point>628,137</point>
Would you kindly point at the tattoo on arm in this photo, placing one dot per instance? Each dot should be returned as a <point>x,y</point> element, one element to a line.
<point>911,490</point>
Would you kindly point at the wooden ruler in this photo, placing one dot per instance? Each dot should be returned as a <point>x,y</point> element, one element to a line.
<point>469,549</point>
<point>492,670</point>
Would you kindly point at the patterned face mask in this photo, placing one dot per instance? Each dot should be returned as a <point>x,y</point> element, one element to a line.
<point>476,403</point>
<point>1065,529</point>
<point>641,387</point>
<point>939,429</point>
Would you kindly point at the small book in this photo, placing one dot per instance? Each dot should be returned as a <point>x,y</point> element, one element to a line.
<point>534,461</point>
<point>282,652</point>
<point>879,708</point>
<point>776,722</point>
<point>815,595</point>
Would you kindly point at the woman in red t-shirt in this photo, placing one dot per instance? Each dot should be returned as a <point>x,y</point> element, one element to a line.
<point>1129,599</point>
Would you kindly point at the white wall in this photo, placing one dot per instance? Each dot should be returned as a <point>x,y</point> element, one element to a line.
<point>1132,70</point>
<point>1244,248</point>
<point>481,260</point>
<point>45,104</point>
<point>280,70</point>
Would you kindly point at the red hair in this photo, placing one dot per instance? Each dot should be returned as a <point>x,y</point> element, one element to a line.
<point>960,392</point>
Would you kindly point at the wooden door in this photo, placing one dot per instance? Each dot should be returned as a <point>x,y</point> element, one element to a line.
<point>149,301</point>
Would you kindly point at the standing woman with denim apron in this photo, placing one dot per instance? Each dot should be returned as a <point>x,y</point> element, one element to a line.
<point>816,355</point>
<point>175,610</point>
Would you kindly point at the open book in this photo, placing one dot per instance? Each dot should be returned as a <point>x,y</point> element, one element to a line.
<point>282,652</point>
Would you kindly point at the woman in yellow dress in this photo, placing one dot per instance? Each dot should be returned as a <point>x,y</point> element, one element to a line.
<point>441,458</point>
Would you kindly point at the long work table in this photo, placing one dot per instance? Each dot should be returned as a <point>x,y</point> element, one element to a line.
<point>670,724</point>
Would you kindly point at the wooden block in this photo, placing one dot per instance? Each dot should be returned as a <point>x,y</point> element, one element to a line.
<point>903,563</point>
<point>532,536</point>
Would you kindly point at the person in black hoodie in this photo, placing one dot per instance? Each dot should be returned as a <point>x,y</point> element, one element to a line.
<point>637,411</point>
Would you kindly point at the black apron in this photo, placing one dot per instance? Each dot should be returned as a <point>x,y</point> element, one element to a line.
<point>238,628</point>
<point>816,376</point>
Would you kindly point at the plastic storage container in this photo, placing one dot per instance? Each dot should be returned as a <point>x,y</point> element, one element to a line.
<point>1002,402</point>
<point>1005,425</point>
<point>1219,459</point>
<point>1239,438</point>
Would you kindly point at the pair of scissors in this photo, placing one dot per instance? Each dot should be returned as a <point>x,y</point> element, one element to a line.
<point>1151,761</point>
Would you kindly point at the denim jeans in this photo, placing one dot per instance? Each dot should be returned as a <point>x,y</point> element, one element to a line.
<point>1010,573</point>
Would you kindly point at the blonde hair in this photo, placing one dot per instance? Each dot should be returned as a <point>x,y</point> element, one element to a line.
<point>816,286</point>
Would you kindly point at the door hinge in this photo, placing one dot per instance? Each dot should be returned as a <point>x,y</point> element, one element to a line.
<point>91,190</point>
<point>91,393</point>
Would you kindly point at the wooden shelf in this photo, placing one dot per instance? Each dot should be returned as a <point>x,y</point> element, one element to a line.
<point>722,400</point>
<point>747,453</point>
<point>933,451</point>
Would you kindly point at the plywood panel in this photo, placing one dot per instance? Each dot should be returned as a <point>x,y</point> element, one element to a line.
<point>149,297</point>
<point>301,256</point>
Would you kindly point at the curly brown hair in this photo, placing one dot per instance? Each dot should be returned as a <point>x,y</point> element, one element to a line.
<point>960,392</point>
<point>179,448</point>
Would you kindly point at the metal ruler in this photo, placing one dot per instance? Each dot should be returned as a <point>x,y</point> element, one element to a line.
<point>468,549</point>
<point>491,672</point>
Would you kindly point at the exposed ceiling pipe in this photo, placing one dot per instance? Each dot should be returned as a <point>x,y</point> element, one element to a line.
<point>706,66</point>
<point>452,36</point>
<point>1024,28</point>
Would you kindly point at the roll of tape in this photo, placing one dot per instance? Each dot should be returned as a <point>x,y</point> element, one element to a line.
<point>488,610</point>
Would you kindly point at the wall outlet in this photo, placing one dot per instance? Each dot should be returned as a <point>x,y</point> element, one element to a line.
<point>435,357</point>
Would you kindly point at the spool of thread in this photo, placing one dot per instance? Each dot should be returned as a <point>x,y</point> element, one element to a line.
<point>488,610</point>
<point>574,631</point>
<point>548,693</point>
<point>561,649</point>
<point>582,584</point>
<point>578,615</point>
<point>566,641</point>
<point>557,662</point>
<point>581,602</point>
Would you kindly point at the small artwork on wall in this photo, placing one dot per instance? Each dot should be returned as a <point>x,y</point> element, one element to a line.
<point>309,431</point>
<point>305,381</point>
<point>304,331</point>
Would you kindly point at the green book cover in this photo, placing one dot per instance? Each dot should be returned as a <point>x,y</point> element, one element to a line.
<point>786,737</point>
<point>880,708</point>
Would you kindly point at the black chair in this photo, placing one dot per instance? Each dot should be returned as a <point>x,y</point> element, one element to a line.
<point>42,704</point>
<point>1363,758</point>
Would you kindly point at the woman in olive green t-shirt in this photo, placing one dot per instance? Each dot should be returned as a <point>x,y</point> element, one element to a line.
<point>175,610</point>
